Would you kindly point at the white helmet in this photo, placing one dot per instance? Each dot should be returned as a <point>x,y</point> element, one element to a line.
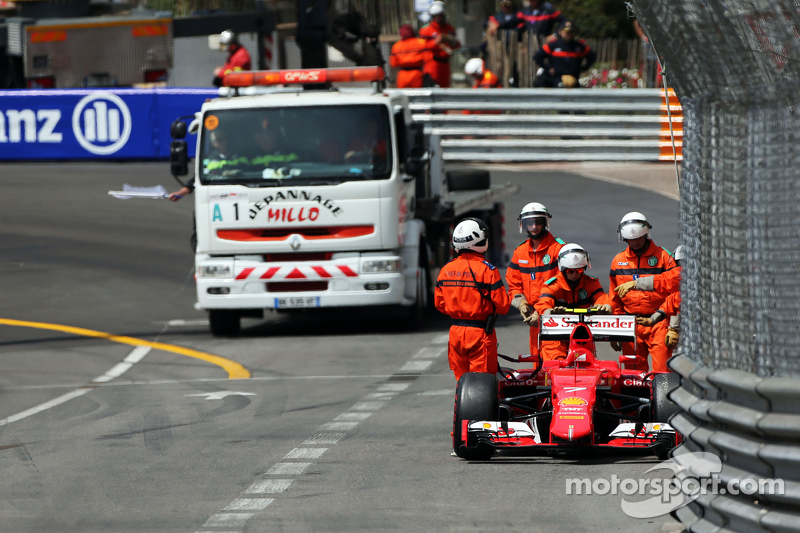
<point>573,256</point>
<point>228,37</point>
<point>680,254</point>
<point>632,226</point>
<point>437,8</point>
<point>531,211</point>
<point>471,234</point>
<point>474,67</point>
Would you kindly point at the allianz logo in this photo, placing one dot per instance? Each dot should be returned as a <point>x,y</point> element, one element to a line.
<point>101,123</point>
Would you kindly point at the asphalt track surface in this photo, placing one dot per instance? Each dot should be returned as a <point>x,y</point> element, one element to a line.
<point>343,424</point>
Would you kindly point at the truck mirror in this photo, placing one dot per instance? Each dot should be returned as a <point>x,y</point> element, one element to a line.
<point>178,129</point>
<point>178,157</point>
<point>417,131</point>
<point>413,166</point>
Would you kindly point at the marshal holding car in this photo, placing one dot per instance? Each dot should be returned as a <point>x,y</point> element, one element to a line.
<point>321,198</point>
<point>578,404</point>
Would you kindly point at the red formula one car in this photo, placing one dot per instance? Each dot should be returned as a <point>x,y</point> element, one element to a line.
<point>578,404</point>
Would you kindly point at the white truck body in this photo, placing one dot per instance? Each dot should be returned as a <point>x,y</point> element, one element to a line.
<point>295,242</point>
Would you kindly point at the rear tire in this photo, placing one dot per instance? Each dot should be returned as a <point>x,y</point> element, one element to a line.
<point>476,399</point>
<point>663,408</point>
<point>224,323</point>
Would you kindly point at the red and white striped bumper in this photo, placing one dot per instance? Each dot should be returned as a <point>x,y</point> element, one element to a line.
<point>336,283</point>
<point>297,272</point>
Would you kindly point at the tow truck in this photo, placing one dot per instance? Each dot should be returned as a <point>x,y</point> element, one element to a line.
<point>322,198</point>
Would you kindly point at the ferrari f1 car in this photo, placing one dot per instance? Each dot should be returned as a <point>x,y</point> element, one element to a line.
<point>578,404</point>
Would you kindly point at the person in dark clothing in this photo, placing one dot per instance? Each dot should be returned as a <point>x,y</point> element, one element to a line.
<point>541,17</point>
<point>561,61</point>
<point>505,19</point>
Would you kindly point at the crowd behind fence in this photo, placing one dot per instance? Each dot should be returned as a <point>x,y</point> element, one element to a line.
<point>621,63</point>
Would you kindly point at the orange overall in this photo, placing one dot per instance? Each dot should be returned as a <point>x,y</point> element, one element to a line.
<point>628,266</point>
<point>669,281</point>
<point>556,292</point>
<point>409,56</point>
<point>489,80</point>
<point>468,302</point>
<point>438,66</point>
<point>526,273</point>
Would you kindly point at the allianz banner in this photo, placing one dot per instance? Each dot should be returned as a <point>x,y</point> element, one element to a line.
<point>106,124</point>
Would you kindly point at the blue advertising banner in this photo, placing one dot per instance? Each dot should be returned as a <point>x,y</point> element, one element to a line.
<point>104,124</point>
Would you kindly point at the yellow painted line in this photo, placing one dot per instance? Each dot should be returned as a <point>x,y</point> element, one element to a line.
<point>234,369</point>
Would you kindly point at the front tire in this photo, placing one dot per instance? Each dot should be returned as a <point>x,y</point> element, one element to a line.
<point>476,399</point>
<point>663,407</point>
<point>224,323</point>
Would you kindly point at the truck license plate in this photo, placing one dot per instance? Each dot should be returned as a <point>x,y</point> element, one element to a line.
<point>296,301</point>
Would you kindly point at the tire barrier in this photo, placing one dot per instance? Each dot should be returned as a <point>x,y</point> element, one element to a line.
<point>753,425</point>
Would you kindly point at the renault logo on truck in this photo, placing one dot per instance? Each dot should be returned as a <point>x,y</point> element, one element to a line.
<point>102,123</point>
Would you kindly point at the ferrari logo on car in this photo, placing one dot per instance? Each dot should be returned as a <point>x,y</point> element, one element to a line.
<point>572,401</point>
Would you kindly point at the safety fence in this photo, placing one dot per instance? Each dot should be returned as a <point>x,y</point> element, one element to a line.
<point>753,424</point>
<point>93,124</point>
<point>735,64</point>
<point>528,125</point>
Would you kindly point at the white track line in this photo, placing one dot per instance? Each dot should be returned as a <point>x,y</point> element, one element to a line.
<point>352,416</point>
<point>136,355</point>
<point>269,486</point>
<point>249,504</point>
<point>416,366</point>
<point>287,469</point>
<point>306,453</point>
<point>344,422</point>
<point>45,406</point>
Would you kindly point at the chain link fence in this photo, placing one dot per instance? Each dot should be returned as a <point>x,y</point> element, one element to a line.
<point>735,66</point>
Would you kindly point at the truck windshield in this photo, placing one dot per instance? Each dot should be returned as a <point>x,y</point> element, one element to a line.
<point>328,144</point>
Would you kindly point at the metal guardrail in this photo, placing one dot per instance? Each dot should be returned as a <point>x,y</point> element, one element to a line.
<point>526,125</point>
<point>753,425</point>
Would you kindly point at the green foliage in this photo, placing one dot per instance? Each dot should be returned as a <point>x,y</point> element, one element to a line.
<point>598,19</point>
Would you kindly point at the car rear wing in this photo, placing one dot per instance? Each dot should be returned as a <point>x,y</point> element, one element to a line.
<point>618,328</point>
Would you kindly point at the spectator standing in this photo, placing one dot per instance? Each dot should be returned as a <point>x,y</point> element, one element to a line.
<point>505,19</point>
<point>238,56</point>
<point>409,55</point>
<point>541,17</point>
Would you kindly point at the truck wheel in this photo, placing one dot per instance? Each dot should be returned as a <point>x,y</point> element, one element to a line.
<point>476,399</point>
<point>662,407</point>
<point>224,323</point>
<point>468,180</point>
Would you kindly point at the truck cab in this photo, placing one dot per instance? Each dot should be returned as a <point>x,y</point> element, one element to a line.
<point>310,199</point>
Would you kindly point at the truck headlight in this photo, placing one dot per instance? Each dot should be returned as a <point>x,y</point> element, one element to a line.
<point>381,265</point>
<point>215,271</point>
